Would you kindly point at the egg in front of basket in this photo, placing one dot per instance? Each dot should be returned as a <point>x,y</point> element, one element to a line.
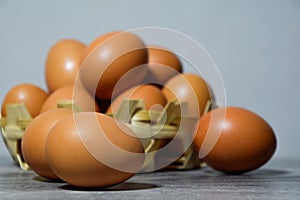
<point>34,140</point>
<point>89,149</point>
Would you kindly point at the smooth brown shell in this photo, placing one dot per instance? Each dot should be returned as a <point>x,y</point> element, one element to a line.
<point>111,57</point>
<point>32,96</point>
<point>34,140</point>
<point>162,65</point>
<point>62,63</point>
<point>73,161</point>
<point>189,88</point>
<point>246,141</point>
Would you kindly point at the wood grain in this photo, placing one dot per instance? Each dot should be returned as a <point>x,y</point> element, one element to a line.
<point>280,179</point>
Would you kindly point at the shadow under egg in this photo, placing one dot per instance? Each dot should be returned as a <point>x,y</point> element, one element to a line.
<point>43,179</point>
<point>126,186</point>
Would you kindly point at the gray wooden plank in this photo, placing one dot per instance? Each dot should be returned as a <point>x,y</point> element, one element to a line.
<point>280,179</point>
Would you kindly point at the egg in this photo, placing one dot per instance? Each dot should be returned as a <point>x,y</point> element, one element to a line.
<point>62,63</point>
<point>109,58</point>
<point>152,97</point>
<point>34,140</point>
<point>162,65</point>
<point>78,95</point>
<point>191,89</point>
<point>91,149</point>
<point>31,95</point>
<point>234,140</point>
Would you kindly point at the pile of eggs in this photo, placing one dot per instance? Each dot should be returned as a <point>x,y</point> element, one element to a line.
<point>97,78</point>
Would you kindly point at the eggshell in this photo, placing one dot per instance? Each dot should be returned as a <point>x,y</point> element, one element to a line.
<point>31,95</point>
<point>78,95</point>
<point>189,88</point>
<point>150,94</point>
<point>34,140</point>
<point>162,65</point>
<point>91,149</point>
<point>62,63</point>
<point>109,58</point>
<point>243,141</point>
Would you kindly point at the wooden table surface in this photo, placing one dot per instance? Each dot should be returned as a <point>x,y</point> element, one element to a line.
<point>279,179</point>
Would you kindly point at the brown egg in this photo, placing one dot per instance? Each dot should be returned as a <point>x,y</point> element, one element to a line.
<point>78,95</point>
<point>62,63</point>
<point>151,95</point>
<point>234,140</point>
<point>189,88</point>
<point>34,140</point>
<point>91,149</point>
<point>162,65</point>
<point>111,57</point>
<point>32,96</point>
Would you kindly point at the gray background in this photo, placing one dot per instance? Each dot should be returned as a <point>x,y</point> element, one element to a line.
<point>255,44</point>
